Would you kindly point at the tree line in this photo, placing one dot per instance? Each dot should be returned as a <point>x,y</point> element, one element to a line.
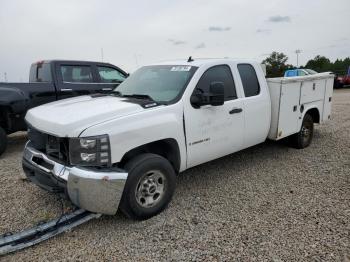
<point>276,64</point>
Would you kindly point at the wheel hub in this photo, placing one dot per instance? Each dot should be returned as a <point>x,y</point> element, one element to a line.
<point>150,189</point>
<point>305,131</point>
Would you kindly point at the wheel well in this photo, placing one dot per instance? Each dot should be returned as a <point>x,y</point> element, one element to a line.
<point>4,117</point>
<point>167,148</point>
<point>315,114</point>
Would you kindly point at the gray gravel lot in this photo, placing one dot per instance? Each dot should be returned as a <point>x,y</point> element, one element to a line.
<point>269,202</point>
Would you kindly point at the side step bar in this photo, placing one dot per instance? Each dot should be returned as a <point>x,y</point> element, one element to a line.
<point>12,242</point>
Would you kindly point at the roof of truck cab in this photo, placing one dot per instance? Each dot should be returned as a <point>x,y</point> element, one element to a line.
<point>72,62</point>
<point>200,62</point>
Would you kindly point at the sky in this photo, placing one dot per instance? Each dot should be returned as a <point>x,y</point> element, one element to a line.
<point>134,33</point>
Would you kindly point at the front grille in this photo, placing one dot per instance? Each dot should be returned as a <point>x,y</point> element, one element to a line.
<point>56,148</point>
<point>37,139</point>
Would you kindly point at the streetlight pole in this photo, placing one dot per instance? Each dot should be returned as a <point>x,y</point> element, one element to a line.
<point>298,51</point>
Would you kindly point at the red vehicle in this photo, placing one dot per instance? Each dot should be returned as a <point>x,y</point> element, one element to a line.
<point>341,81</point>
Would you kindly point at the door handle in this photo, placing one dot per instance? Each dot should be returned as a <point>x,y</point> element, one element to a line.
<point>236,110</point>
<point>107,89</point>
<point>66,90</point>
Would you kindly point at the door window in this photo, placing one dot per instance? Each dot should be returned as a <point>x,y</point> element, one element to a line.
<point>77,74</point>
<point>110,75</point>
<point>249,80</point>
<point>301,73</point>
<point>220,73</point>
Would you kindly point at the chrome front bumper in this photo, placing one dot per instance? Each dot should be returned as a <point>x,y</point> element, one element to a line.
<point>98,191</point>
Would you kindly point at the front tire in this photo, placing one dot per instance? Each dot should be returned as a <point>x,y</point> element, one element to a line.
<point>149,187</point>
<point>3,141</point>
<point>303,138</point>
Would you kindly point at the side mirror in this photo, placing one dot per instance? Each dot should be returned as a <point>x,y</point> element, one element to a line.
<point>197,98</point>
<point>217,93</point>
<point>215,97</point>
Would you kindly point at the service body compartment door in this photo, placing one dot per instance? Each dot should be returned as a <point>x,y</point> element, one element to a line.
<point>312,91</point>
<point>289,110</point>
<point>327,99</point>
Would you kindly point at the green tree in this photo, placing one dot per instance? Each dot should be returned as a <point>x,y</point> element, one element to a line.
<point>276,64</point>
<point>320,64</point>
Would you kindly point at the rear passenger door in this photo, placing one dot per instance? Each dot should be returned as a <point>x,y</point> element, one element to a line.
<point>214,131</point>
<point>256,102</point>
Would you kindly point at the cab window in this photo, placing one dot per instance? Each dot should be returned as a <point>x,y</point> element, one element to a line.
<point>110,75</point>
<point>220,73</point>
<point>301,73</point>
<point>78,74</point>
<point>249,79</point>
<point>40,72</point>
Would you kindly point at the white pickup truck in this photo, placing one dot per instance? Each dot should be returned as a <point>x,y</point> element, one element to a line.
<point>124,150</point>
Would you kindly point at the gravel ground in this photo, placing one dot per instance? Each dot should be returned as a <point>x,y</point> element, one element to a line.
<point>269,202</point>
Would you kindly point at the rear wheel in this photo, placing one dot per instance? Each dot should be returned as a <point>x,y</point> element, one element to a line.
<point>3,141</point>
<point>149,187</point>
<point>304,137</point>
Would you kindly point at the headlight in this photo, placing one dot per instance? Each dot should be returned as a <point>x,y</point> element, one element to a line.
<point>90,151</point>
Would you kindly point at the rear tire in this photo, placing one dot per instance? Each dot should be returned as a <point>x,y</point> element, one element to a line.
<point>149,187</point>
<point>3,141</point>
<point>303,138</point>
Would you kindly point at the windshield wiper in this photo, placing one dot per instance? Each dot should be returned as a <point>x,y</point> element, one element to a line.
<point>117,93</point>
<point>139,96</point>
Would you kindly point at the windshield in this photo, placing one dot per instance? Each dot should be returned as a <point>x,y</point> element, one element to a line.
<point>310,71</point>
<point>161,83</point>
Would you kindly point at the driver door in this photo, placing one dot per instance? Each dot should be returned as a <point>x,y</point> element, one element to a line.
<point>214,131</point>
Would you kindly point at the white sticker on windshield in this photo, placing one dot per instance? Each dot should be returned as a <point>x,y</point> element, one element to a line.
<point>180,68</point>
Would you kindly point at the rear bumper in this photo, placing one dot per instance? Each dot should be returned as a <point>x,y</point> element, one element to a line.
<point>98,191</point>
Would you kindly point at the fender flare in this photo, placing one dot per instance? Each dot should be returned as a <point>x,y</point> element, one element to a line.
<point>14,99</point>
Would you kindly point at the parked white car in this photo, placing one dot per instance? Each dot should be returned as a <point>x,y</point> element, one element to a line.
<point>124,150</point>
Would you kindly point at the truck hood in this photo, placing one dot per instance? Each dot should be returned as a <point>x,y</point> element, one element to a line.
<point>69,117</point>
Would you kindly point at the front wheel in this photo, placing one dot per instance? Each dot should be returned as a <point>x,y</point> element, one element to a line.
<point>304,137</point>
<point>3,141</point>
<point>149,187</point>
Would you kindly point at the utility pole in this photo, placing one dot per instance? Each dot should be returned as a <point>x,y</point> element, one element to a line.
<point>102,54</point>
<point>5,76</point>
<point>136,61</point>
<point>298,51</point>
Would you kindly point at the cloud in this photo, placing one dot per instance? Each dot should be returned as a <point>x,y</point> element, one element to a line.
<point>279,19</point>
<point>263,31</point>
<point>201,45</point>
<point>219,28</point>
<point>177,42</point>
